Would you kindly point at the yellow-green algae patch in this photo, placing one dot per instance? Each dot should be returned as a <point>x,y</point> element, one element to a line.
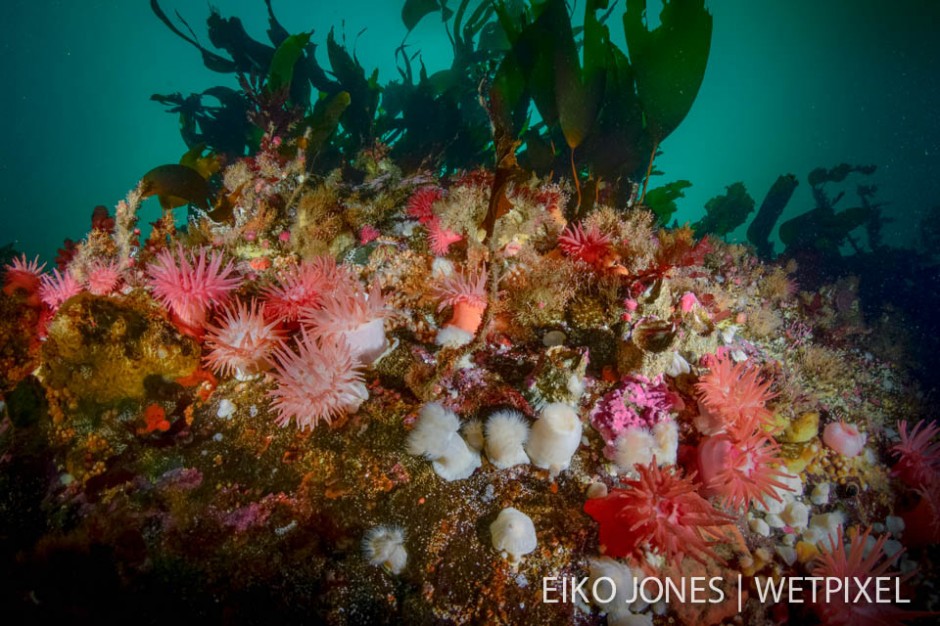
<point>105,349</point>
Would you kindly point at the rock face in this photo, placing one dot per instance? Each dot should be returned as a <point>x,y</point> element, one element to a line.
<point>104,349</point>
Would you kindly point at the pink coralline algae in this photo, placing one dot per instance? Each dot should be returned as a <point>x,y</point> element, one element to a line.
<point>688,301</point>
<point>244,518</point>
<point>636,402</point>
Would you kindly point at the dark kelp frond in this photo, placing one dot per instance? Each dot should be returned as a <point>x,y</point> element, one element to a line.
<point>669,61</point>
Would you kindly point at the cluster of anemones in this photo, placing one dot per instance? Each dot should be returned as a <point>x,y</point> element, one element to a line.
<point>737,459</point>
<point>46,292</point>
<point>662,510</point>
<point>342,330</point>
<point>340,323</point>
<point>27,278</point>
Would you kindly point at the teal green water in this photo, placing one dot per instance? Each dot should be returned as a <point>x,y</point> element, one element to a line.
<point>791,85</point>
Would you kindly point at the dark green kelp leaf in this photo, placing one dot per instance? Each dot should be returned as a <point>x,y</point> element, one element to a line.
<point>509,86</point>
<point>669,61</point>
<point>822,229</point>
<point>577,92</point>
<point>758,232</point>
<point>210,59</point>
<point>363,92</point>
<point>285,57</point>
<point>617,144</point>
<point>533,51</point>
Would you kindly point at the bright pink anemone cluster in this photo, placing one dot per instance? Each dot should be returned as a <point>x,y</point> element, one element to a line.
<point>441,238</point>
<point>242,342</point>
<point>318,381</point>
<point>853,565</point>
<point>26,277</point>
<point>190,284</point>
<point>343,328</point>
<point>659,510</point>
<point>635,402</point>
<point>591,246</point>
<point>918,454</point>
<point>421,204</point>
<point>103,277</point>
<point>368,234</point>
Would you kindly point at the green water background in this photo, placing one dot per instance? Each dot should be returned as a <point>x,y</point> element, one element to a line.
<point>791,85</point>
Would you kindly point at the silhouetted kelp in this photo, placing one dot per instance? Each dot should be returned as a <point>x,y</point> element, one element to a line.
<point>776,200</point>
<point>726,212</point>
<point>573,102</point>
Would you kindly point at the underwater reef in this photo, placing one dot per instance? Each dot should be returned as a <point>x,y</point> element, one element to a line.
<point>362,387</point>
